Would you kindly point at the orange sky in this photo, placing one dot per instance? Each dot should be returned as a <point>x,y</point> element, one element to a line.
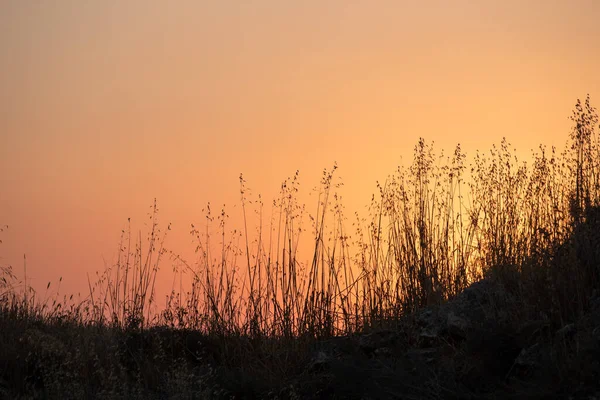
<point>105,105</point>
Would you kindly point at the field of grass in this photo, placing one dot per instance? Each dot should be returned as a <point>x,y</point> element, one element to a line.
<point>255,322</point>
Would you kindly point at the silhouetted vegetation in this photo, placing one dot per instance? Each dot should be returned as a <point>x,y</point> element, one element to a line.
<point>465,281</point>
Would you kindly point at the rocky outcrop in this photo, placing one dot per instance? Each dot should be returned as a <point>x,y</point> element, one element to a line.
<point>473,343</point>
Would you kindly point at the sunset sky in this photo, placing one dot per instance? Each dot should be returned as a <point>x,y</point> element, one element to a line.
<point>106,105</point>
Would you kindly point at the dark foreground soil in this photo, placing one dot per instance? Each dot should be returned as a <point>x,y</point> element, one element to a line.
<point>473,347</point>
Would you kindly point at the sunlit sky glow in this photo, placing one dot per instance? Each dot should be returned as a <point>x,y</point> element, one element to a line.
<point>105,105</point>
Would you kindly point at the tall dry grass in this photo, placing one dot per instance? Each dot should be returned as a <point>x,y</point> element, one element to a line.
<point>434,227</point>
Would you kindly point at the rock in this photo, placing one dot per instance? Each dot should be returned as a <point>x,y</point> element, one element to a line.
<point>319,363</point>
<point>457,326</point>
<point>428,337</point>
<point>425,318</point>
<point>428,354</point>
<point>430,327</point>
<point>371,342</point>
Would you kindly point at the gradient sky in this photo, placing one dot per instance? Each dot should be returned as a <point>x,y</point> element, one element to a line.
<point>105,105</point>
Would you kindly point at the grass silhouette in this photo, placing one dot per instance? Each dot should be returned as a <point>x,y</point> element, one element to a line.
<point>252,331</point>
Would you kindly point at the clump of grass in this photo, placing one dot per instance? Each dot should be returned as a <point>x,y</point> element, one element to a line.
<point>124,295</point>
<point>418,248</point>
